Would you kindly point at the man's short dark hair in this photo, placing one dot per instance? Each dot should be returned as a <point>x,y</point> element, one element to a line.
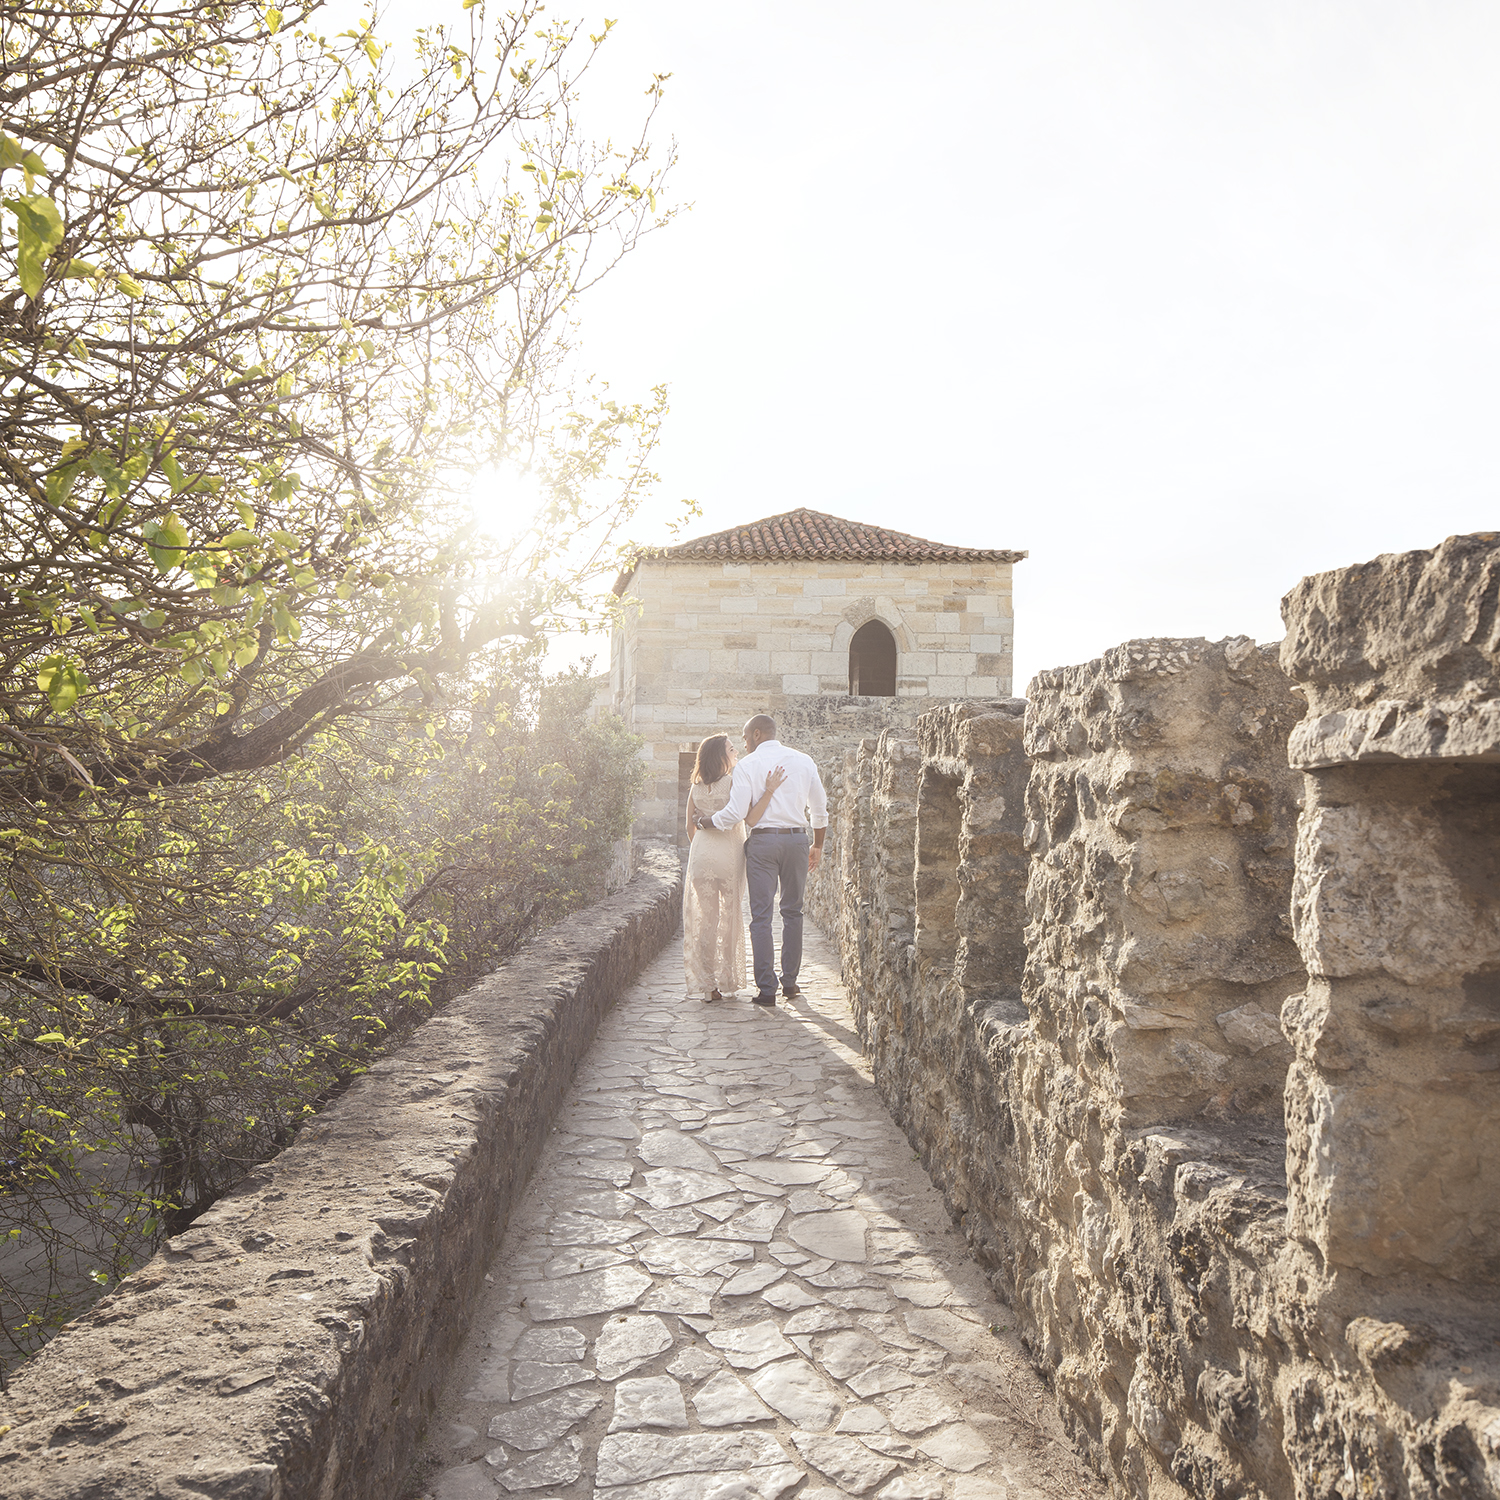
<point>762,727</point>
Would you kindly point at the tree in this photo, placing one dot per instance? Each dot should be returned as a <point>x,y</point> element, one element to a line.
<point>267,300</point>
<point>332,897</point>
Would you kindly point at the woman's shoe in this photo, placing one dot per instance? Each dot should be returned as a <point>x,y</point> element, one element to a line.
<point>716,996</point>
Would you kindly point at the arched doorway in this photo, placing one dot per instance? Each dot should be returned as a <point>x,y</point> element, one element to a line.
<point>872,662</point>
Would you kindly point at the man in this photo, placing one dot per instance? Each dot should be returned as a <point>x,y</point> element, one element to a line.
<point>776,853</point>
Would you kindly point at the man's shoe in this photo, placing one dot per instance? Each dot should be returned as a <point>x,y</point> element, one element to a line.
<point>792,991</point>
<point>763,1000</point>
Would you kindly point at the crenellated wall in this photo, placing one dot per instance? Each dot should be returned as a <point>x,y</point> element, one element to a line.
<point>1218,961</point>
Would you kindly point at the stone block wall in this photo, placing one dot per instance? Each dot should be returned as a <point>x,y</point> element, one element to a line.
<point>291,1344</point>
<point>1256,1260</point>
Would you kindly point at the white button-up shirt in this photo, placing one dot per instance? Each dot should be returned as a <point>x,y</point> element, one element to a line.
<point>797,800</point>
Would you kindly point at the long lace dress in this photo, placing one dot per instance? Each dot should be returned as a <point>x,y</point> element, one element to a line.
<point>713,928</point>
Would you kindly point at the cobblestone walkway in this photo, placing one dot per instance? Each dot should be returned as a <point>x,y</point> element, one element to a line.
<point>731,1280</point>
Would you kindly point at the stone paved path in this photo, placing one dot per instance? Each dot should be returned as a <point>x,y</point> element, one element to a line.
<point>731,1280</point>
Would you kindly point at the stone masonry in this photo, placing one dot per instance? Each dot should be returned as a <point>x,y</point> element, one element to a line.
<point>1160,816</point>
<point>760,619</point>
<point>1229,1149</point>
<point>1394,1098</point>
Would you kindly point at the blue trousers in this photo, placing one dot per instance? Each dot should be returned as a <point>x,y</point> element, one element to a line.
<point>776,858</point>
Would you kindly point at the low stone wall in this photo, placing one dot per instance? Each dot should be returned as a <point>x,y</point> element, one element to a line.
<point>1228,1144</point>
<point>291,1343</point>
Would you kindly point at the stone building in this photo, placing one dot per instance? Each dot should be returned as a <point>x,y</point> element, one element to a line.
<point>837,628</point>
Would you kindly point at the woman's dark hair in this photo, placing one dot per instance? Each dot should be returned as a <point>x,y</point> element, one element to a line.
<point>713,759</point>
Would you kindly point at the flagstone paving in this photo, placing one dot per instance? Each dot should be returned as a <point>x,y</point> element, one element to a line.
<point>731,1280</point>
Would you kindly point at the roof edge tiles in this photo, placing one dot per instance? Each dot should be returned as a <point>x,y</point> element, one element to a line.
<point>812,536</point>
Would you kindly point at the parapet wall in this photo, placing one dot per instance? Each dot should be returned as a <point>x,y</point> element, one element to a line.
<point>1394,1099</point>
<point>292,1342</point>
<point>1209,1073</point>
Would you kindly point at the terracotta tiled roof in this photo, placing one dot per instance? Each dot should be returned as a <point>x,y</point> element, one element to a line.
<point>811,536</point>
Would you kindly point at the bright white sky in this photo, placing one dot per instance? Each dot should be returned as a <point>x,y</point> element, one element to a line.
<point>1187,297</point>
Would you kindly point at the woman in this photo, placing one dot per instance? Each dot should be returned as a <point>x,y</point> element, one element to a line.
<point>713,928</point>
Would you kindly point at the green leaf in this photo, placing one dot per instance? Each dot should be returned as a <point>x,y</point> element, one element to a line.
<point>119,479</point>
<point>59,483</point>
<point>76,270</point>
<point>202,569</point>
<point>129,285</point>
<point>166,542</point>
<point>50,1036</point>
<point>39,231</point>
<point>173,470</point>
<point>191,672</point>
<point>238,539</point>
<point>287,626</point>
<point>273,20</point>
<point>14,154</point>
<point>62,680</point>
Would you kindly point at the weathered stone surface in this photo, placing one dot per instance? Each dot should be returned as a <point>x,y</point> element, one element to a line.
<point>1113,1129</point>
<point>1393,1103</point>
<point>799,1393</point>
<point>750,1346</point>
<point>543,1422</point>
<point>654,1401</point>
<point>626,1342</point>
<point>1399,657</point>
<point>838,1236</point>
<point>629,1458</point>
<point>592,1292</point>
<point>290,1343</point>
<point>846,1461</point>
<point>561,1464</point>
<point>726,1401</point>
<point>1160,816</point>
<point>770,1346</point>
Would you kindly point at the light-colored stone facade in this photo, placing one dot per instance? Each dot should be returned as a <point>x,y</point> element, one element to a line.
<point>701,645</point>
